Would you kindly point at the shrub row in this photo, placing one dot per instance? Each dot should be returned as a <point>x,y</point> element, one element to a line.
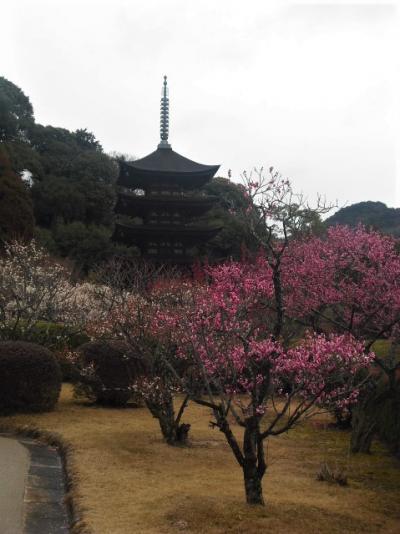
<point>30,375</point>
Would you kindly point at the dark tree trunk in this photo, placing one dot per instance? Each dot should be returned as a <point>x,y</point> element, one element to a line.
<point>174,432</point>
<point>253,486</point>
<point>254,462</point>
<point>276,278</point>
<point>343,419</point>
<point>363,430</point>
<point>377,414</point>
<point>251,460</point>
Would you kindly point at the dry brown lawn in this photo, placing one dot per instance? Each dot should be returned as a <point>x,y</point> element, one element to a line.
<point>129,481</point>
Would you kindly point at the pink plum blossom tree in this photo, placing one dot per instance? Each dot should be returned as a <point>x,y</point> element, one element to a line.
<point>235,335</point>
<point>134,319</point>
<point>248,375</point>
<point>349,282</point>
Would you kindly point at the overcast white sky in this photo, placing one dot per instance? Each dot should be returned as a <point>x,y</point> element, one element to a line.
<point>308,87</point>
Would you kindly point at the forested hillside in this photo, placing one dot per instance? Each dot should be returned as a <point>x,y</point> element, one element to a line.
<point>372,214</point>
<point>69,183</point>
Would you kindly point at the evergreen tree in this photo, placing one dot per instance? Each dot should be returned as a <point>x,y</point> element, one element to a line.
<point>16,112</point>
<point>235,237</point>
<point>16,213</point>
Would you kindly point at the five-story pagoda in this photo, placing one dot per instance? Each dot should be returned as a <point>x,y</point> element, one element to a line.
<point>160,199</point>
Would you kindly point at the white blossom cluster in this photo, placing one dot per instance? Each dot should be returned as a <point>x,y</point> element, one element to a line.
<point>34,288</point>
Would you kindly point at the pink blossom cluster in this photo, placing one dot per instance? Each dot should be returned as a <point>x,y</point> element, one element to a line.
<point>352,272</point>
<point>325,367</point>
<point>226,332</point>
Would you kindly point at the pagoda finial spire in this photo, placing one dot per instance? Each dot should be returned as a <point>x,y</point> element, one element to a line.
<point>164,116</point>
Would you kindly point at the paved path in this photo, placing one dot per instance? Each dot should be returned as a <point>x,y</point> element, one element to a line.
<point>32,488</point>
<point>14,464</point>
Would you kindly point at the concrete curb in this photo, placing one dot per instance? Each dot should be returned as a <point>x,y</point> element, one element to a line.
<point>45,511</point>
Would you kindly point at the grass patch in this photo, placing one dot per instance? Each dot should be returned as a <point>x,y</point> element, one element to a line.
<point>382,348</point>
<point>127,480</point>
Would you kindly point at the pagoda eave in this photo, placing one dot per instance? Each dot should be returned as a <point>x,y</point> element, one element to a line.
<point>145,179</point>
<point>167,161</point>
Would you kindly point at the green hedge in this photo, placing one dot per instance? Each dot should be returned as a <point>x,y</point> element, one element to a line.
<point>54,336</point>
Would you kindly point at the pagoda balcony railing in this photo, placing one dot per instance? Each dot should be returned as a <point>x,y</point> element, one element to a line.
<point>162,229</point>
<point>164,194</point>
<point>148,206</point>
<point>139,222</point>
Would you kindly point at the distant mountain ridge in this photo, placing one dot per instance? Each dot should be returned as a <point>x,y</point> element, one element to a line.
<point>371,214</point>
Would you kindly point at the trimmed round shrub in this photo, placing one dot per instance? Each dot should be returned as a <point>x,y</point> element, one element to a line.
<point>30,378</point>
<point>107,372</point>
<point>57,337</point>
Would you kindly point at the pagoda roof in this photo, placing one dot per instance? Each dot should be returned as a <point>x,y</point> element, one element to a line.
<point>166,160</point>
